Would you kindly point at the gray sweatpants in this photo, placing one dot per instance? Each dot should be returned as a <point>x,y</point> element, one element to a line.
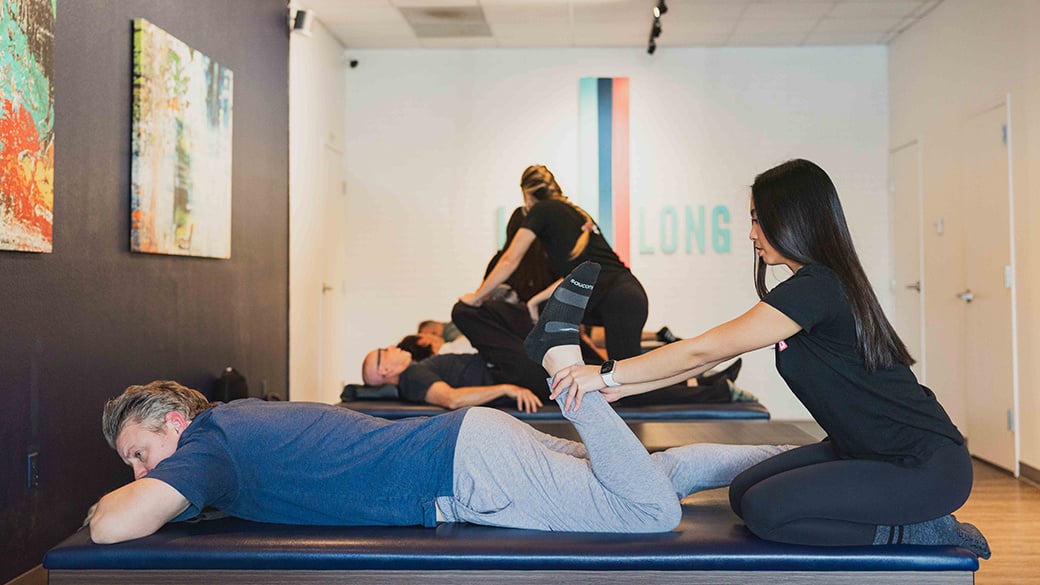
<point>509,474</point>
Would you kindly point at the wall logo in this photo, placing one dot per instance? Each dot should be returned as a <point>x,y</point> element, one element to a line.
<point>692,228</point>
<point>603,181</point>
<point>603,173</point>
<point>603,169</point>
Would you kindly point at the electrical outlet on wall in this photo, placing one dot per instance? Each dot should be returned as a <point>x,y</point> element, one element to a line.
<point>33,474</point>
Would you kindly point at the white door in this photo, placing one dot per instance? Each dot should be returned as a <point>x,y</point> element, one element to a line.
<point>989,347</point>
<point>905,204</point>
<point>332,374</point>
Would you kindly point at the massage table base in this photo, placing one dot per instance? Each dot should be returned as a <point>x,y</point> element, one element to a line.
<point>509,577</point>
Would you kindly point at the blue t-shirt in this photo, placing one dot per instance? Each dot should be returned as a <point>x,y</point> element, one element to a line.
<point>306,463</point>
<point>883,415</point>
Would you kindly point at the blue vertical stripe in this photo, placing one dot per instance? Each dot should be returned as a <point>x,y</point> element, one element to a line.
<point>606,124</point>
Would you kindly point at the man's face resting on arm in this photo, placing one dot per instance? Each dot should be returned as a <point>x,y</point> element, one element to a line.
<point>144,426</point>
<point>143,506</point>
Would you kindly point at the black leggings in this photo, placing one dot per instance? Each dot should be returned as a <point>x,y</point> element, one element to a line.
<point>680,394</point>
<point>621,310</point>
<point>810,496</point>
<point>497,330</point>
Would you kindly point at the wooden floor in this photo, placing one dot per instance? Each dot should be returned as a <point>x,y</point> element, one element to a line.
<point>1007,511</point>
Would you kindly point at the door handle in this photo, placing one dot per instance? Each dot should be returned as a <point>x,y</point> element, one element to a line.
<point>325,288</point>
<point>967,296</point>
<point>915,286</point>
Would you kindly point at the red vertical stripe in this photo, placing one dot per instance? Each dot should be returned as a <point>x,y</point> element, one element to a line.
<point>619,166</point>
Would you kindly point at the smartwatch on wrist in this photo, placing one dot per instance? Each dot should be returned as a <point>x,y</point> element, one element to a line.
<point>606,371</point>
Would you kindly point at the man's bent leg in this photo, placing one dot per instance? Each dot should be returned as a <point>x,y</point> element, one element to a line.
<point>619,487</point>
<point>505,476</point>
<point>619,461</point>
<point>705,466</point>
<point>565,446</point>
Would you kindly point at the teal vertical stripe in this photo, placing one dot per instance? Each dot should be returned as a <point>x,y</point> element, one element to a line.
<point>605,103</point>
<point>588,147</point>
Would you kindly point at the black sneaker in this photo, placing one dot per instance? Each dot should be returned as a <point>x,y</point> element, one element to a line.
<point>729,374</point>
<point>665,334</point>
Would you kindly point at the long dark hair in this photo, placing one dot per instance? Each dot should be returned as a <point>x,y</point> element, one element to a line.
<point>798,212</point>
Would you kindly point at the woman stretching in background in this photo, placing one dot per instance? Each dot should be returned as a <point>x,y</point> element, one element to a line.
<point>570,237</point>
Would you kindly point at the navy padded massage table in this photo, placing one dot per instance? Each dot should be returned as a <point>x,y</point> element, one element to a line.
<point>383,401</point>
<point>711,545</point>
<point>396,409</point>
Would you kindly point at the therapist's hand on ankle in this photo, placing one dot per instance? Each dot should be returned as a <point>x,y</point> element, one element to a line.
<point>577,380</point>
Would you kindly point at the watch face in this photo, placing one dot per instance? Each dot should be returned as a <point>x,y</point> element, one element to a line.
<point>607,367</point>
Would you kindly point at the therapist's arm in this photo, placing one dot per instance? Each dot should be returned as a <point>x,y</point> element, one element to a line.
<point>507,264</point>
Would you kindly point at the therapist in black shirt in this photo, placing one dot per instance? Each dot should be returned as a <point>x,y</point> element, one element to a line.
<point>893,466</point>
<point>570,237</point>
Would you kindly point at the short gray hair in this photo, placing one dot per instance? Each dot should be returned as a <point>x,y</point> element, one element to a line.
<point>148,404</point>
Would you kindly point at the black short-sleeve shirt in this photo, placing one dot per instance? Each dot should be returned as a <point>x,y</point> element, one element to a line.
<point>886,414</point>
<point>457,370</point>
<point>558,225</point>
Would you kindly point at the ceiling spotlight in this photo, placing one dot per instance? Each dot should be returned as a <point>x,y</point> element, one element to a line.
<point>655,27</point>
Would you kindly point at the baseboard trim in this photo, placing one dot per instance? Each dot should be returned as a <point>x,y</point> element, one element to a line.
<point>34,576</point>
<point>1029,472</point>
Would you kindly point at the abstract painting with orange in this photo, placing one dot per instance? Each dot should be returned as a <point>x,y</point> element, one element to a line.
<point>26,125</point>
<point>180,200</point>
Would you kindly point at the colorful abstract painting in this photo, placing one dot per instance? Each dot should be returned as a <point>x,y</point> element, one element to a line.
<point>603,157</point>
<point>181,169</point>
<point>26,125</point>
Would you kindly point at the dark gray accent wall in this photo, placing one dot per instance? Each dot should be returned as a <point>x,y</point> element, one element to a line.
<point>79,325</point>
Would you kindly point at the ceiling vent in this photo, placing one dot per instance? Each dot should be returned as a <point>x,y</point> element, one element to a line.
<point>446,21</point>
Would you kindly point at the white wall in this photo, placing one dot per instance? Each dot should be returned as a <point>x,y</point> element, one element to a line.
<point>962,58</point>
<point>316,96</point>
<point>436,141</point>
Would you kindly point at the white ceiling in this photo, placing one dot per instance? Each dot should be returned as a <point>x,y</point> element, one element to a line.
<point>614,23</point>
